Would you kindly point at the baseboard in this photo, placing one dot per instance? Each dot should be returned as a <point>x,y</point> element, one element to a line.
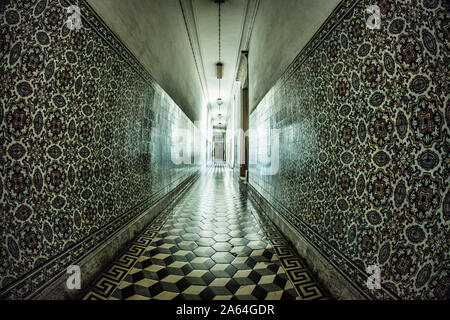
<point>330,277</point>
<point>94,263</point>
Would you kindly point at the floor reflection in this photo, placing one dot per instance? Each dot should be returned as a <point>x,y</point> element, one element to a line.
<point>211,245</point>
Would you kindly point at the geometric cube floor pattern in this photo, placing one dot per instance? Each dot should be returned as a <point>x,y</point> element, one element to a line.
<point>210,245</point>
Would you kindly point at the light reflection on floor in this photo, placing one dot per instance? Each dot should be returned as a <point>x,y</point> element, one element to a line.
<point>211,245</point>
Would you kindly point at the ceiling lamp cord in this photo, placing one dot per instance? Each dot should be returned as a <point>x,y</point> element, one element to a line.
<point>220,56</point>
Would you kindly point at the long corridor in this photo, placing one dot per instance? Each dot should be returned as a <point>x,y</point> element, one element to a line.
<point>143,145</point>
<point>211,245</point>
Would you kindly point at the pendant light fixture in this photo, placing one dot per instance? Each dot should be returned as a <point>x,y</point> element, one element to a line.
<point>219,70</point>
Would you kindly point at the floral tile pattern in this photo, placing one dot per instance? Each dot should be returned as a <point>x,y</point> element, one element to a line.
<point>86,139</point>
<point>363,120</point>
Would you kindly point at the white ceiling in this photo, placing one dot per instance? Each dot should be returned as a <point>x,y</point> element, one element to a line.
<point>177,42</point>
<point>207,21</point>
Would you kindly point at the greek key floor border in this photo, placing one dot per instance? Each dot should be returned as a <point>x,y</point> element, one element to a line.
<point>304,282</point>
<point>109,280</point>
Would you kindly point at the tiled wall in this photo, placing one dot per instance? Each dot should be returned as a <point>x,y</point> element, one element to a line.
<point>363,117</point>
<point>87,140</point>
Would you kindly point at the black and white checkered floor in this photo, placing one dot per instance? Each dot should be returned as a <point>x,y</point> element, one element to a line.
<point>212,244</point>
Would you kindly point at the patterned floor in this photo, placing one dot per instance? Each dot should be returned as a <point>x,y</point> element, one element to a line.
<point>210,245</point>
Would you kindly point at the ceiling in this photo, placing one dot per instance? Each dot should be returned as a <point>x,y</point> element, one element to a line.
<point>177,41</point>
<point>232,19</point>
